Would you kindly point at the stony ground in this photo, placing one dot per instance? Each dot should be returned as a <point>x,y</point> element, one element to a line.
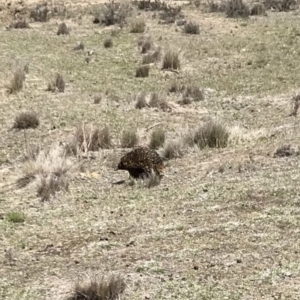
<point>223,223</point>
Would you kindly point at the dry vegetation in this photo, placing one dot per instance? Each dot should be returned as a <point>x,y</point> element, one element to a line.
<point>220,106</point>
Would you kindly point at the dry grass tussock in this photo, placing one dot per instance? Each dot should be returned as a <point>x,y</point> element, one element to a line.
<point>142,71</point>
<point>152,180</point>
<point>20,24</point>
<point>191,28</point>
<point>158,137</point>
<point>40,13</point>
<point>112,13</point>
<point>140,100</point>
<point>137,26</point>
<point>108,43</point>
<point>212,134</point>
<point>152,57</point>
<point>26,120</point>
<point>173,149</point>
<point>58,84</point>
<point>99,289</point>
<point>51,171</point>
<point>145,43</point>
<point>89,138</point>
<point>236,9</point>
<point>281,5</point>
<point>171,60</point>
<point>63,29</point>
<point>129,138</point>
<point>16,84</point>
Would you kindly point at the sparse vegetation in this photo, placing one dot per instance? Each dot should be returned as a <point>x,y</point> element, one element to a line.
<point>226,197</point>
<point>138,26</point>
<point>191,28</point>
<point>171,60</point>
<point>142,71</point>
<point>157,138</point>
<point>26,120</point>
<point>129,138</point>
<point>212,134</point>
<point>15,217</point>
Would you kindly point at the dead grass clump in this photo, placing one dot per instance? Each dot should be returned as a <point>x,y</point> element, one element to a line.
<point>215,6</point>
<point>154,100</point>
<point>97,99</point>
<point>193,92</point>
<point>20,24</point>
<point>26,120</point>
<point>57,84</point>
<point>173,149</point>
<point>110,289</point>
<point>280,5</point>
<point>51,170</point>
<point>149,5</point>
<point>40,13</point>
<point>152,57</point>
<point>171,60</point>
<point>286,151</point>
<point>296,104</point>
<point>236,9</point>
<point>176,87</point>
<point>145,44</point>
<point>191,28</point>
<point>129,138</point>
<point>142,71</point>
<point>79,46</point>
<point>258,10</point>
<point>158,137</point>
<point>212,134</point>
<point>89,138</point>
<point>108,43</point>
<point>63,29</point>
<point>152,180</point>
<point>170,14</point>
<point>157,101</point>
<point>114,13</point>
<point>138,26</point>
<point>18,79</point>
<point>141,100</point>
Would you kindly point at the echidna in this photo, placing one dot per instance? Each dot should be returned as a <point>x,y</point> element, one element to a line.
<point>141,161</point>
